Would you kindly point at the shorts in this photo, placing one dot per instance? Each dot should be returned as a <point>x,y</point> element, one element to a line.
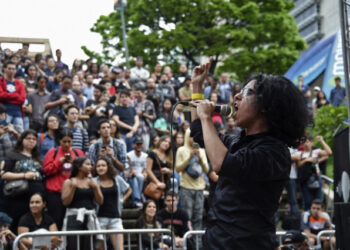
<point>110,223</point>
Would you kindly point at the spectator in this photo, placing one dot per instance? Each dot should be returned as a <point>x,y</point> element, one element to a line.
<point>147,114</point>
<point>308,169</point>
<point>8,134</point>
<point>185,94</point>
<point>148,220</point>
<point>137,171</point>
<point>61,98</point>
<point>94,70</point>
<point>50,68</point>
<point>163,123</point>
<point>294,239</point>
<point>153,94</point>
<point>232,129</point>
<point>80,194</point>
<point>172,213</point>
<point>104,70</point>
<point>182,76</point>
<point>292,184</point>
<point>225,88</point>
<point>115,130</point>
<point>6,235</point>
<point>317,89</point>
<point>37,100</point>
<point>321,100</point>
<point>57,168</point>
<point>32,74</point>
<point>314,221</point>
<point>77,66</point>
<point>88,91</point>
<point>212,87</point>
<point>96,109</point>
<point>109,146</point>
<point>12,95</point>
<point>35,220</point>
<point>47,138</point>
<point>126,118</point>
<point>179,139</point>
<point>115,191</point>
<point>59,63</point>
<point>56,82</point>
<point>192,163</point>
<point>80,135</point>
<point>338,93</point>
<point>157,72</point>
<point>160,163</point>
<point>23,163</point>
<point>138,74</point>
<point>216,116</point>
<point>165,88</point>
<point>41,65</point>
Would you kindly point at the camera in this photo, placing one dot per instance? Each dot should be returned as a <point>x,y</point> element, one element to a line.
<point>67,156</point>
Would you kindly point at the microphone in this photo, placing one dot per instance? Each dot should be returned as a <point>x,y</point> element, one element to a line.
<point>224,110</point>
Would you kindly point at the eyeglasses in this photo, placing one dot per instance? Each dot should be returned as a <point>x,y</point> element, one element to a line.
<point>246,92</point>
<point>30,138</point>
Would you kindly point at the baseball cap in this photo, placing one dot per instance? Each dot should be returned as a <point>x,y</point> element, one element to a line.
<point>293,236</point>
<point>138,140</point>
<point>5,219</point>
<point>317,88</point>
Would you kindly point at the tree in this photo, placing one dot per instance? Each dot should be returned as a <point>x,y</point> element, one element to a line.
<point>242,36</point>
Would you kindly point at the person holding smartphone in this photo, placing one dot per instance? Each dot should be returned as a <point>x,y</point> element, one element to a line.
<point>192,161</point>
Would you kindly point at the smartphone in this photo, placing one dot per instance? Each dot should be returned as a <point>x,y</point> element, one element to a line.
<point>3,123</point>
<point>67,156</point>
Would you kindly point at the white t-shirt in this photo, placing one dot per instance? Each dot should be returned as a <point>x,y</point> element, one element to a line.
<point>314,153</point>
<point>138,163</point>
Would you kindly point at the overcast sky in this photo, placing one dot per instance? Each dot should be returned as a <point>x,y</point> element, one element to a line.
<point>66,23</point>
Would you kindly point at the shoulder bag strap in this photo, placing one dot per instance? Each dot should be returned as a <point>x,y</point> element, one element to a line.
<point>160,168</point>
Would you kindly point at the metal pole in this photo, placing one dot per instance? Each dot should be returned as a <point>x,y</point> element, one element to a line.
<point>121,6</point>
<point>344,25</point>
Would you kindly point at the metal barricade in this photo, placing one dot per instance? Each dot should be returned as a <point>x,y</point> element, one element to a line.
<point>188,233</point>
<point>279,234</point>
<point>330,197</point>
<point>323,232</point>
<point>96,232</point>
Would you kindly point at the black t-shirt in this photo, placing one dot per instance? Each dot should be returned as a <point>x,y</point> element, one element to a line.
<point>181,221</point>
<point>83,198</point>
<point>126,115</point>
<point>109,207</point>
<point>94,119</point>
<point>27,220</point>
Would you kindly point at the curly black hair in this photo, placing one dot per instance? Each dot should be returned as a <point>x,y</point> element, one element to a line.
<point>284,105</point>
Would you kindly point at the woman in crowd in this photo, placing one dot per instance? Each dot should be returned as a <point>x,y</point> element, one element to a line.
<point>114,129</point>
<point>57,168</point>
<point>94,70</point>
<point>160,163</point>
<point>148,220</point>
<point>215,117</point>
<point>47,138</point>
<point>79,195</point>
<point>37,219</point>
<point>162,124</point>
<point>321,100</point>
<point>32,73</point>
<point>6,235</point>
<point>77,66</point>
<point>115,191</point>
<point>154,142</point>
<point>22,163</point>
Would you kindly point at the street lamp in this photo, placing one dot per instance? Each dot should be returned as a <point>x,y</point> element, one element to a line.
<point>121,4</point>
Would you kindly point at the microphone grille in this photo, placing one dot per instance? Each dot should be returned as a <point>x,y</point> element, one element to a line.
<point>226,110</point>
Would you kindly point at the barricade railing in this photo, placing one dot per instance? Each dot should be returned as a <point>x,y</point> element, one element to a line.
<point>279,234</point>
<point>193,232</point>
<point>328,181</point>
<point>91,233</point>
<point>320,234</point>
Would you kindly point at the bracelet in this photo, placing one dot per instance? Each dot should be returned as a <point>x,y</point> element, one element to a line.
<point>197,96</point>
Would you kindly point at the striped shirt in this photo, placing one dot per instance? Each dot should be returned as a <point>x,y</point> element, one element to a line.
<point>80,138</point>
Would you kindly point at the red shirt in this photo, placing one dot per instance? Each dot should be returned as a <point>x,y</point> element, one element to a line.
<point>54,170</point>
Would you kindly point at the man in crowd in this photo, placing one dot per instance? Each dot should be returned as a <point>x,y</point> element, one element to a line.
<point>57,80</point>
<point>59,63</point>
<point>337,93</point>
<point>138,74</point>
<point>183,74</point>
<point>232,129</point>
<point>192,162</point>
<point>126,118</point>
<point>38,99</point>
<point>294,239</point>
<point>108,146</point>
<point>60,98</point>
<point>314,221</point>
<point>12,95</point>
<point>153,94</point>
<point>147,114</point>
<point>137,171</point>
<point>225,88</point>
<point>213,86</point>
<point>80,135</point>
<point>165,88</point>
<point>185,94</point>
<point>171,214</point>
<point>88,91</point>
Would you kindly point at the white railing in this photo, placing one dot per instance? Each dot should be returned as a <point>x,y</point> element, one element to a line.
<point>328,232</point>
<point>96,232</point>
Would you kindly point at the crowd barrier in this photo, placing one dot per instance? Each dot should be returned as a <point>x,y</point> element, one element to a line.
<point>91,233</point>
<point>328,232</point>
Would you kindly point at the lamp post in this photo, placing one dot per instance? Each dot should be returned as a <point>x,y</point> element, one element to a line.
<point>121,4</point>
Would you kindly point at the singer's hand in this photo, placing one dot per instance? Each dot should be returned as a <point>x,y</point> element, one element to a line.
<point>204,109</point>
<point>200,73</point>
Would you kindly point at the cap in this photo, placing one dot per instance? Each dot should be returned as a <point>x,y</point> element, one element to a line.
<point>5,219</point>
<point>293,236</point>
<point>317,88</point>
<point>138,140</point>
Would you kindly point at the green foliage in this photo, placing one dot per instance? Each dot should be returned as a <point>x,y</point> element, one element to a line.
<point>242,36</point>
<point>328,121</point>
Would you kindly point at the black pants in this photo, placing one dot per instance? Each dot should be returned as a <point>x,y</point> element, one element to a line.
<point>56,208</point>
<point>72,225</point>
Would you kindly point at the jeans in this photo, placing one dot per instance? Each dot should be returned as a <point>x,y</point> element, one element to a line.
<point>15,120</point>
<point>26,122</point>
<point>192,201</point>
<point>292,196</point>
<point>310,194</point>
<point>136,184</point>
<point>128,142</point>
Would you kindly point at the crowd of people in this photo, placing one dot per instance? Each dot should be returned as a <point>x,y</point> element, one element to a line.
<point>78,142</point>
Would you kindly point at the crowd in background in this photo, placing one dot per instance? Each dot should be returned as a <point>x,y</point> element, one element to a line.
<point>61,125</point>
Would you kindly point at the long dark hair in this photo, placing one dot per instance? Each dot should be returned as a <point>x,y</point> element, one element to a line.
<point>143,215</point>
<point>63,132</point>
<point>77,163</point>
<point>45,126</point>
<point>111,171</point>
<point>168,151</point>
<point>19,144</point>
<point>284,106</point>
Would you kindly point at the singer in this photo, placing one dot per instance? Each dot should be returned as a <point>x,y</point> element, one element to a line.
<point>253,167</point>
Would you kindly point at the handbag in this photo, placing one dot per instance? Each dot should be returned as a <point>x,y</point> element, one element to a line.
<point>16,188</point>
<point>152,190</point>
<point>194,168</point>
<point>312,182</point>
